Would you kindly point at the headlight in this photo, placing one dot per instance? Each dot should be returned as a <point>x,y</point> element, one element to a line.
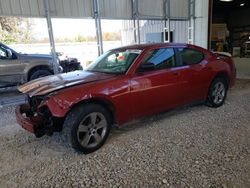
<point>60,69</point>
<point>51,95</point>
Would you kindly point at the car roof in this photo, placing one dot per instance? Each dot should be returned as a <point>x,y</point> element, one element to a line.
<point>152,45</point>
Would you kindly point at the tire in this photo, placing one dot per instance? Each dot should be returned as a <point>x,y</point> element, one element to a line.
<point>87,127</point>
<point>217,92</point>
<point>39,73</point>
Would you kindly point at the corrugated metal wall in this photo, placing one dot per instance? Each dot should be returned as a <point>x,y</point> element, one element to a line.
<point>179,9</point>
<point>179,29</point>
<point>117,9</point>
<point>201,23</point>
<point>22,8</point>
<point>58,8</point>
<point>111,9</point>
<point>71,9</point>
<point>149,8</point>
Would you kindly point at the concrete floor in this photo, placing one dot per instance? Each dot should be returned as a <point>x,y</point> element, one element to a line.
<point>243,67</point>
<point>10,96</point>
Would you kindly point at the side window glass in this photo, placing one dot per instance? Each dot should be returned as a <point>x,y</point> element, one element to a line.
<point>161,58</point>
<point>190,56</point>
<point>3,54</point>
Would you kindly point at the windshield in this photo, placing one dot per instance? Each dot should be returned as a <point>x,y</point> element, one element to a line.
<point>114,62</point>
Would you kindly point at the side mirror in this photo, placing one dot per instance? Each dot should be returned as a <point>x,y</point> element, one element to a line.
<point>8,54</point>
<point>148,66</point>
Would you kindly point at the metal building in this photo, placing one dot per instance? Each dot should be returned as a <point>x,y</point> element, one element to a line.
<point>152,31</point>
<point>181,20</point>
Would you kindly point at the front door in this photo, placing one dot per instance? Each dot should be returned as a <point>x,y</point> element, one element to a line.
<point>158,89</point>
<point>11,69</point>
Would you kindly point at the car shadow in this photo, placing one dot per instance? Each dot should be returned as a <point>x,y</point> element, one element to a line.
<point>63,147</point>
<point>149,120</point>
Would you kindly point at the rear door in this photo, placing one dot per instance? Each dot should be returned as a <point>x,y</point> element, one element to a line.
<point>196,73</point>
<point>158,89</point>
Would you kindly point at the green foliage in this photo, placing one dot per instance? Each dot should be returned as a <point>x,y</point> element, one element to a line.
<point>19,30</point>
<point>80,38</point>
<point>7,38</point>
<point>15,30</point>
<point>113,36</point>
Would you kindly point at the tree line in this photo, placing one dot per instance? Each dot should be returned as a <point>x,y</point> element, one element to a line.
<point>15,30</point>
<point>19,30</point>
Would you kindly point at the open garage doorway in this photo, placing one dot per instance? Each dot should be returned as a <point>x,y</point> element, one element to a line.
<point>230,27</point>
<point>230,32</point>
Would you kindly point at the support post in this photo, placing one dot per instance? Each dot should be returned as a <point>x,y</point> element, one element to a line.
<point>138,31</point>
<point>191,23</point>
<point>51,37</point>
<point>134,29</point>
<point>136,21</point>
<point>167,21</point>
<point>98,27</point>
<point>210,18</point>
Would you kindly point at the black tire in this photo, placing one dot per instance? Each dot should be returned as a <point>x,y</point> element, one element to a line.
<point>79,118</point>
<point>39,73</point>
<point>217,92</point>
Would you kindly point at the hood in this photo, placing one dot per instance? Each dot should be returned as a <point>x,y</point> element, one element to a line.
<point>48,84</point>
<point>36,56</point>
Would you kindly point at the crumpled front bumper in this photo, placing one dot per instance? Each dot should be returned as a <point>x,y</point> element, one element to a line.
<point>31,124</point>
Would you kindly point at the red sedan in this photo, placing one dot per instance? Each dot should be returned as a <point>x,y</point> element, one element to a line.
<point>121,85</point>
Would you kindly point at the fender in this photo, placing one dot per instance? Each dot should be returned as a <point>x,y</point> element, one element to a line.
<point>115,100</point>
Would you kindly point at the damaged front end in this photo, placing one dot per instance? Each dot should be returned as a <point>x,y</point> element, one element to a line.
<point>35,117</point>
<point>50,98</point>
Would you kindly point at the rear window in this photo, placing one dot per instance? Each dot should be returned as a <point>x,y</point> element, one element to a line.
<point>190,56</point>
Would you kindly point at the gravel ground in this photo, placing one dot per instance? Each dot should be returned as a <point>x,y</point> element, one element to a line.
<point>188,147</point>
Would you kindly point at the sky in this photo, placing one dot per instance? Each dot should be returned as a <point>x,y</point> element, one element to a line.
<point>67,28</point>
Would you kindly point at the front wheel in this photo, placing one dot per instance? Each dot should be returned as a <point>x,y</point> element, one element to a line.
<point>39,73</point>
<point>87,127</point>
<point>217,92</point>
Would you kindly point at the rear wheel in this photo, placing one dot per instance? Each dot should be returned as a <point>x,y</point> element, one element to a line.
<point>217,92</point>
<point>87,127</point>
<point>39,73</point>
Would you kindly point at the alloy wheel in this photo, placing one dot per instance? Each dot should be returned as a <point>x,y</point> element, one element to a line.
<point>218,93</point>
<point>92,130</point>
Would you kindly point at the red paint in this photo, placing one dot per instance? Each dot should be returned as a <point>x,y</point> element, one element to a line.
<point>135,94</point>
<point>24,122</point>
